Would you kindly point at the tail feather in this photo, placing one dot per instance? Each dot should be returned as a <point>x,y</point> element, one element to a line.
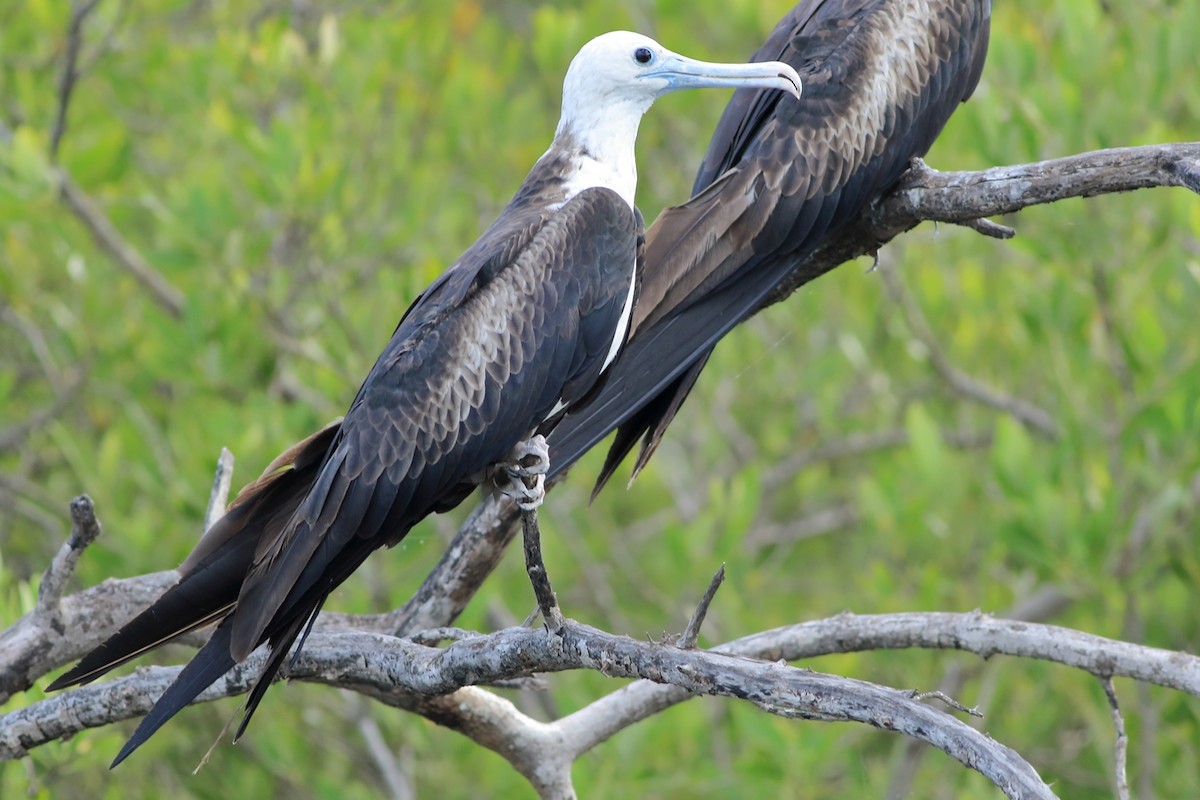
<point>121,649</point>
<point>212,575</point>
<point>280,646</point>
<point>210,663</point>
<point>648,424</point>
<point>200,597</point>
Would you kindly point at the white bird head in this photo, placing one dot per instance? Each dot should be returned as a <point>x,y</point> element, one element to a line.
<point>617,76</point>
<point>623,67</point>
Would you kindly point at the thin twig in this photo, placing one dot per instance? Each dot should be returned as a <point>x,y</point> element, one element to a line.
<point>122,252</point>
<point>12,436</point>
<point>941,696</point>
<point>1121,746</point>
<point>84,530</point>
<point>70,73</point>
<point>687,640</point>
<point>398,784</point>
<point>988,228</point>
<point>218,498</point>
<point>859,444</point>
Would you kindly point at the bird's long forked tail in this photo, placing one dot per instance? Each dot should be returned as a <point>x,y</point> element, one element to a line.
<point>647,425</point>
<point>199,598</point>
<point>208,588</point>
<point>210,663</point>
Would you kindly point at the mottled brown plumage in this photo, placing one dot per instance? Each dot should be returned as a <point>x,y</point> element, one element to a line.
<point>881,78</point>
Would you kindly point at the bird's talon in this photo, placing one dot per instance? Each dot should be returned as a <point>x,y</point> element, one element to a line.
<point>525,469</point>
<point>527,496</point>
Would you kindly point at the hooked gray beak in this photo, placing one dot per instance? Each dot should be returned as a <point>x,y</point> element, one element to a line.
<point>681,72</point>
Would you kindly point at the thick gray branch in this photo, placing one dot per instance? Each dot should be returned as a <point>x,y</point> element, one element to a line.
<point>925,194</point>
<point>386,665</point>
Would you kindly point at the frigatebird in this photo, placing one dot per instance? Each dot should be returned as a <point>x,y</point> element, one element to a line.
<point>512,334</point>
<point>881,79</point>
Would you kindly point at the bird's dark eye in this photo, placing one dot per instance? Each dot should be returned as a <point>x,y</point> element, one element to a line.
<point>643,55</point>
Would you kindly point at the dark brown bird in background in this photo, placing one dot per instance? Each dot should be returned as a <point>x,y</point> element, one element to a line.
<point>881,79</point>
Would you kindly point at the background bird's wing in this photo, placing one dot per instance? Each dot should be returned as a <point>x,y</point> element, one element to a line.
<point>779,177</point>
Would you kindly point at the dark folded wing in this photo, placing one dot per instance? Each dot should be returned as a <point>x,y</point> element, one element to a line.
<point>464,378</point>
<point>524,320</point>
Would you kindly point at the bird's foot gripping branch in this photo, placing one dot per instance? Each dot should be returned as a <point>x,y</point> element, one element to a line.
<point>522,476</point>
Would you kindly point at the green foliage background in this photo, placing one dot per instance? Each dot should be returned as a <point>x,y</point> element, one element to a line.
<point>301,171</point>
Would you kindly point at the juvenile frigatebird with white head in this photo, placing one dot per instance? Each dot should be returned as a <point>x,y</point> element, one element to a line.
<point>516,330</point>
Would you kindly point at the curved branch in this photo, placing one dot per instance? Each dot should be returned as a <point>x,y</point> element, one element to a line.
<point>386,665</point>
<point>985,636</point>
<point>926,194</point>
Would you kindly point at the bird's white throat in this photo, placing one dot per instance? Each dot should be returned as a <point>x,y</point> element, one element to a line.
<point>599,142</point>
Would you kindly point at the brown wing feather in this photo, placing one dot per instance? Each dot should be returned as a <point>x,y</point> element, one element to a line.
<point>881,78</point>
<point>451,395</point>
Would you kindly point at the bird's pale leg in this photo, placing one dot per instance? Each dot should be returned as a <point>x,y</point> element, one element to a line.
<point>526,468</point>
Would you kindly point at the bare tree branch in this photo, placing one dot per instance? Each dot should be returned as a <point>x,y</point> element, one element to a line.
<point>84,530</point>
<point>931,195</point>
<point>1121,745</point>
<point>687,640</point>
<point>44,639</point>
<point>924,194</point>
<point>70,71</point>
<point>386,665</point>
<point>535,567</point>
<point>985,636</point>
